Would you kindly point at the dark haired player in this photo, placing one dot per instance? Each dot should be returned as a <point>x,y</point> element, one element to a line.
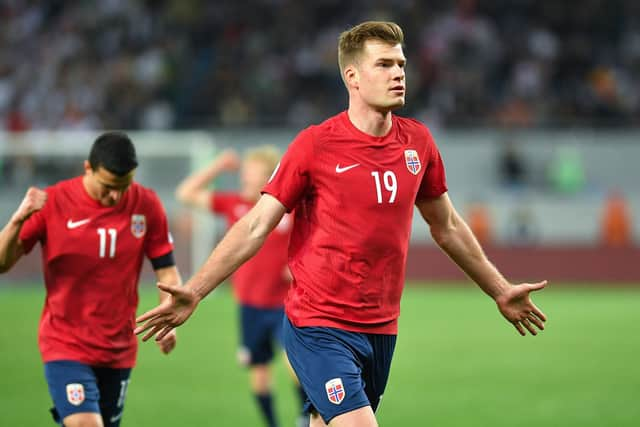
<point>94,231</point>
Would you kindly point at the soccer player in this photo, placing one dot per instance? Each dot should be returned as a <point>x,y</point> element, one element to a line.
<point>94,231</point>
<point>353,181</point>
<point>261,284</point>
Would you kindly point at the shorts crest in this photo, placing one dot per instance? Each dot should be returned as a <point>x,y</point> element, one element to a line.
<point>335,390</point>
<point>75,394</point>
<point>413,161</point>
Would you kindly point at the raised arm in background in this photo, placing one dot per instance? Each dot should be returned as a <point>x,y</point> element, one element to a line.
<point>193,190</point>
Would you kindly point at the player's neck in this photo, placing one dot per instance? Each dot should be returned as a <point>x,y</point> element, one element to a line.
<point>87,188</point>
<point>369,121</point>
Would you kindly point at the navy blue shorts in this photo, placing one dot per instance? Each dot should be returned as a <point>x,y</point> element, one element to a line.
<point>260,329</point>
<point>76,387</point>
<point>339,370</point>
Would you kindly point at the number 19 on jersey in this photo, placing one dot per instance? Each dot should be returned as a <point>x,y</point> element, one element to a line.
<point>390,184</point>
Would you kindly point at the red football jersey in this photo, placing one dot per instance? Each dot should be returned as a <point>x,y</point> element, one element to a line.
<point>353,196</point>
<point>261,281</point>
<point>92,257</point>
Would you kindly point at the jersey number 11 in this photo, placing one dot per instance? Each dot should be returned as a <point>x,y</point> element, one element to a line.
<point>102,232</point>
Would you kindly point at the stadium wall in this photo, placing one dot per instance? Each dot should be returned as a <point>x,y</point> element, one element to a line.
<point>564,264</point>
<point>561,264</point>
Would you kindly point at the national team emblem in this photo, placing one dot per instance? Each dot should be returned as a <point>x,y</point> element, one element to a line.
<point>335,390</point>
<point>75,394</point>
<point>413,161</point>
<point>138,225</point>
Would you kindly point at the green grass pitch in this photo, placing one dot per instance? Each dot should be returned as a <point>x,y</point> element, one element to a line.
<point>457,364</point>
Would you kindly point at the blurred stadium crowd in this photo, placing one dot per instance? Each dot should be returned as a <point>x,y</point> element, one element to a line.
<point>160,64</point>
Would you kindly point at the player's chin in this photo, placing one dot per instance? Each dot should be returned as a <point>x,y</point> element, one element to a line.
<point>397,102</point>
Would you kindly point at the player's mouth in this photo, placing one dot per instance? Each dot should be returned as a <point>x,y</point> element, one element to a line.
<point>398,90</point>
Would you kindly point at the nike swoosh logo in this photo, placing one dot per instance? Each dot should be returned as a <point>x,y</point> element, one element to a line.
<point>115,418</point>
<point>76,224</point>
<point>346,168</point>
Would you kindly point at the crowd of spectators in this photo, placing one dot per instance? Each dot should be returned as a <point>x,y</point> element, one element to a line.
<point>197,64</point>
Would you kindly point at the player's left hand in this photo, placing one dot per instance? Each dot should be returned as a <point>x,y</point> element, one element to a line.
<point>516,306</point>
<point>168,342</point>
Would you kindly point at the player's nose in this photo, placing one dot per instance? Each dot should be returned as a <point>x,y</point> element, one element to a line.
<point>398,73</point>
<point>115,195</point>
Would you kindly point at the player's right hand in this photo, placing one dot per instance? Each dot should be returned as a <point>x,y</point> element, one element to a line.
<point>169,314</point>
<point>33,201</point>
<point>228,160</point>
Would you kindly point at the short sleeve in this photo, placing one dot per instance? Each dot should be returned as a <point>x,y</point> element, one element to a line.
<point>434,182</point>
<point>158,240</point>
<point>291,178</point>
<point>33,230</point>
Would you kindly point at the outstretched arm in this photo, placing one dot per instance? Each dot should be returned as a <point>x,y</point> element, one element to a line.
<point>453,235</point>
<point>11,248</point>
<point>193,191</point>
<point>240,243</point>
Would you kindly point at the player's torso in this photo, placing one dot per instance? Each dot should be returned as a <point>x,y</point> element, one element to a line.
<point>92,259</point>
<point>94,243</point>
<point>352,229</point>
<point>368,189</point>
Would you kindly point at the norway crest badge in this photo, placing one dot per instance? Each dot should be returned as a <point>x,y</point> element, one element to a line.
<point>75,394</point>
<point>335,390</point>
<point>138,225</point>
<point>413,161</point>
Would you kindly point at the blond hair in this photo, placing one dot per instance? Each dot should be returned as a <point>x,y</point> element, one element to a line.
<point>351,42</point>
<point>268,155</point>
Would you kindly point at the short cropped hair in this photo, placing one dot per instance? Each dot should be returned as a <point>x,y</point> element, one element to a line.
<point>351,42</point>
<point>115,152</point>
<point>268,155</point>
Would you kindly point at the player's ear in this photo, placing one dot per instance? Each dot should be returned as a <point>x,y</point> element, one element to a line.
<point>87,167</point>
<point>351,76</point>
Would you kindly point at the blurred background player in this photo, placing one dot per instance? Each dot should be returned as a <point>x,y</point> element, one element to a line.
<point>94,231</point>
<point>260,285</point>
<point>353,181</point>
